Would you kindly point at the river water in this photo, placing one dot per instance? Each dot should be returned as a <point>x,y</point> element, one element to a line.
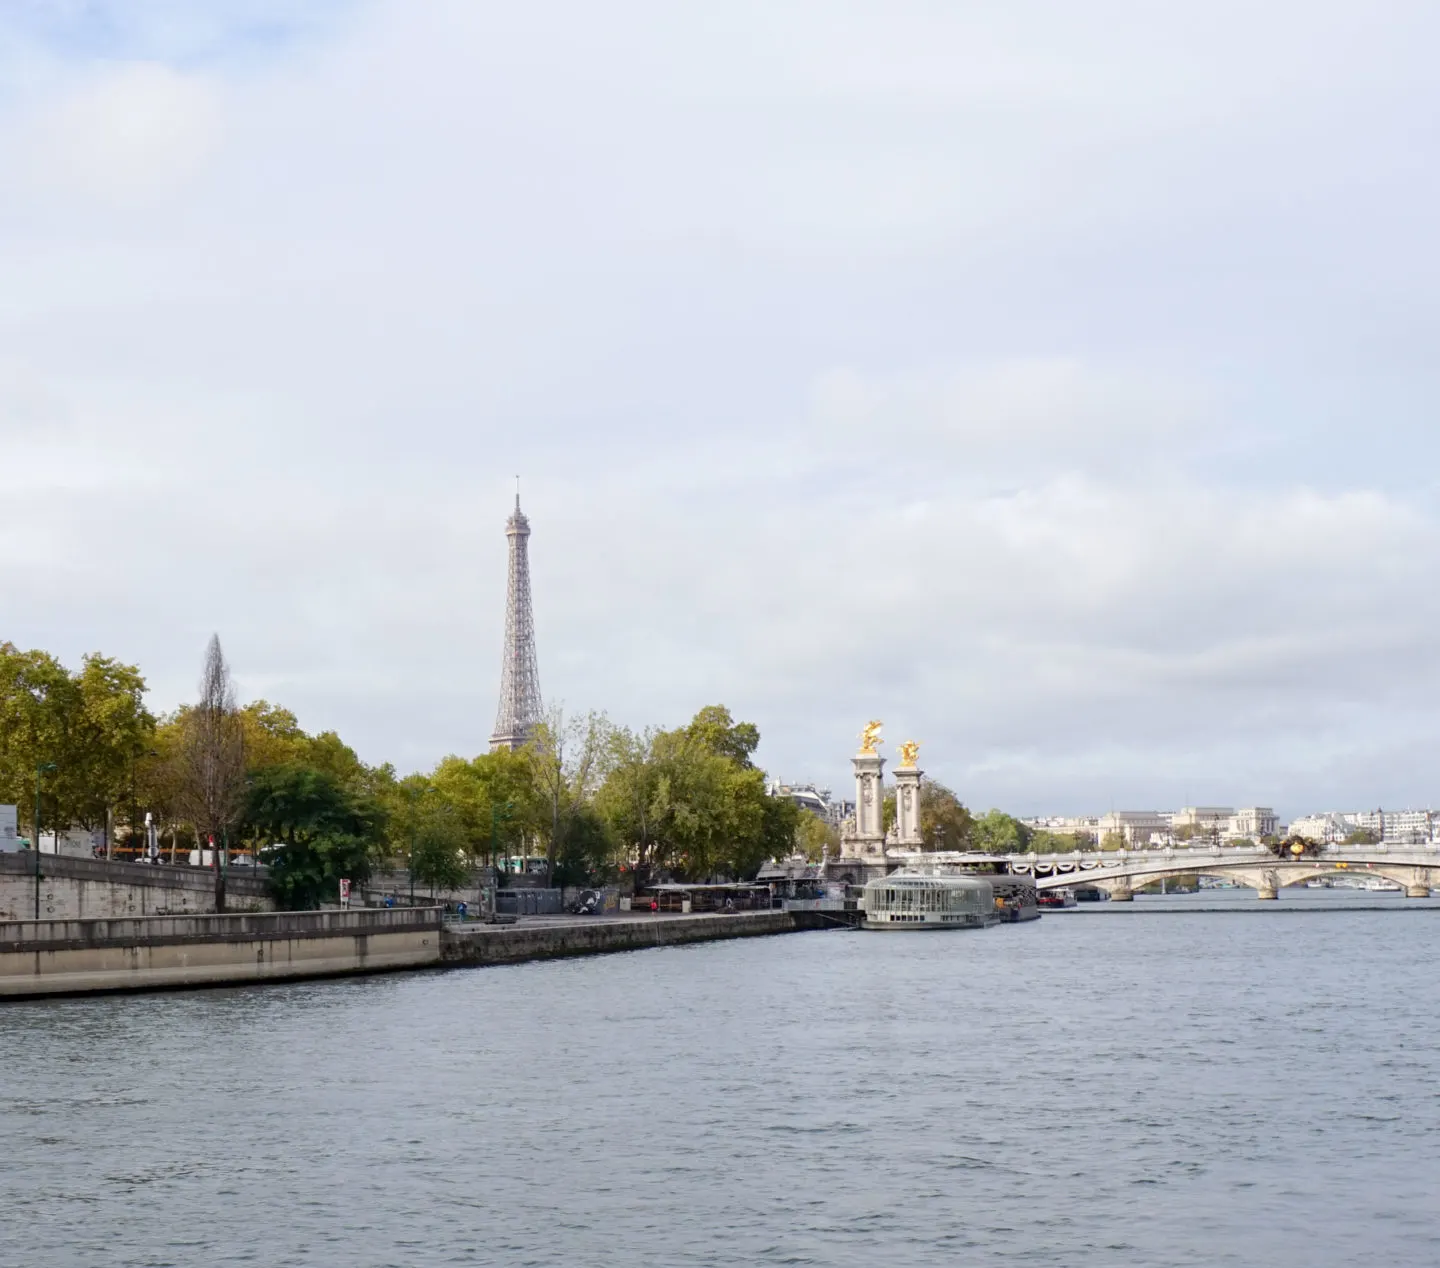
<point>1152,1085</point>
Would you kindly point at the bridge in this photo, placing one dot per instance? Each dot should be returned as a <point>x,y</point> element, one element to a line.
<point>1121,872</point>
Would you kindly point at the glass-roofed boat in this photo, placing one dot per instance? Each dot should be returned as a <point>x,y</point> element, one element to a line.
<point>915,900</point>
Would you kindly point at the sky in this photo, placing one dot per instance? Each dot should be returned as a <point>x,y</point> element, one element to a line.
<point>1054,382</point>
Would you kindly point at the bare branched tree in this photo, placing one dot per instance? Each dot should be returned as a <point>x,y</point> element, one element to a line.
<point>566,756</point>
<point>213,762</point>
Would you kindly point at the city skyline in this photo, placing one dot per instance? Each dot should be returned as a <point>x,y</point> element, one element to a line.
<point>1074,415</point>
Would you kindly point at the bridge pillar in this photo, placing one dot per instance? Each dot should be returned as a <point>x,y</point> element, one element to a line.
<point>1122,894</point>
<point>1417,891</point>
<point>1267,893</point>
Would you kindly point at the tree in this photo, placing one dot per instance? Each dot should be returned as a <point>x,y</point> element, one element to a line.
<point>495,796</point>
<point>813,834</point>
<point>999,833</point>
<point>945,823</point>
<point>440,849</point>
<point>1043,841</point>
<point>564,757</point>
<point>1362,836</point>
<point>160,778</point>
<point>586,851</point>
<point>628,795</point>
<point>272,735</point>
<point>92,726</point>
<point>213,761</point>
<point>717,731</point>
<point>109,731</point>
<point>324,832</point>
<point>779,828</point>
<point>1112,841</point>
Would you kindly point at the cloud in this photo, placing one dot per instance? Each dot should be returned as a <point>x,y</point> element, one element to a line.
<point>125,135</point>
<point>1051,385</point>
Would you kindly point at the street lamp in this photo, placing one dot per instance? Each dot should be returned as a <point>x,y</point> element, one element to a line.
<point>496,814</point>
<point>42,769</point>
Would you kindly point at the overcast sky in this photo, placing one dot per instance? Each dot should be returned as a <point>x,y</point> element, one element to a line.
<point>1056,382</point>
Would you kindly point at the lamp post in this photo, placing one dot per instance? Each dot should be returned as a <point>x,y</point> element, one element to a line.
<point>41,769</point>
<point>413,796</point>
<point>496,814</point>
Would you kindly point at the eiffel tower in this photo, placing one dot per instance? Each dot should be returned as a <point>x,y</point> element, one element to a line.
<point>520,707</point>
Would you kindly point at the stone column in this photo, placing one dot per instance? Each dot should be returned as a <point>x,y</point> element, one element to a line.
<point>869,803</point>
<point>907,808</point>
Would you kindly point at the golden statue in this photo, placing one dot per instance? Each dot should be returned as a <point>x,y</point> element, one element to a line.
<point>909,751</point>
<point>869,738</point>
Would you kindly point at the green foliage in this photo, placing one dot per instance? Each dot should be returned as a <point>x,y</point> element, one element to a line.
<point>715,730</point>
<point>439,855</point>
<point>1112,841</point>
<point>1362,836</point>
<point>1045,842</point>
<point>586,851</point>
<point>999,833</point>
<point>691,802</point>
<point>813,834</point>
<point>565,759</point>
<point>326,830</point>
<point>92,725</point>
<point>496,797</point>
<point>945,823</point>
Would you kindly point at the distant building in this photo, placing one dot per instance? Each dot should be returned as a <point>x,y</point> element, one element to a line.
<point>818,801</point>
<point>1202,821</point>
<point>1084,826</point>
<point>1253,823</point>
<point>1136,827</point>
<point>1399,827</point>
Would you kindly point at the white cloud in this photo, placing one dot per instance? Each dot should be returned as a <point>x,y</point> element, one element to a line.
<point>125,135</point>
<point>1051,385</point>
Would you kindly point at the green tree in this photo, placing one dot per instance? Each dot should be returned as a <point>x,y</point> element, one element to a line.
<point>999,833</point>
<point>1112,841</point>
<point>714,729</point>
<point>325,832</point>
<point>496,797</point>
<point>92,725</point>
<point>586,853</point>
<point>440,855</point>
<point>565,757</point>
<point>628,797</point>
<point>1362,836</point>
<point>945,823</point>
<point>813,834</point>
<point>1043,841</point>
<point>272,735</point>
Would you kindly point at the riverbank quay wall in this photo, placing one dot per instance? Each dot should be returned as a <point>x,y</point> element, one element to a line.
<point>95,889</point>
<point>514,944</point>
<point>70,957</point>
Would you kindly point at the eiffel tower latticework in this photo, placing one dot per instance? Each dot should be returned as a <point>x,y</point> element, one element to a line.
<point>520,707</point>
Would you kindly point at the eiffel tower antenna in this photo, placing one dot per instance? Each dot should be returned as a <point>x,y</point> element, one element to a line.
<point>520,707</point>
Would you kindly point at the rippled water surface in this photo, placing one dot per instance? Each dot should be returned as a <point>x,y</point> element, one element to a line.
<point>1106,1087</point>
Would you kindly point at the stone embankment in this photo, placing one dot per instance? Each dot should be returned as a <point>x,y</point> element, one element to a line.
<point>72,957</point>
<point>543,938</point>
<point>93,889</point>
<point>68,957</point>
